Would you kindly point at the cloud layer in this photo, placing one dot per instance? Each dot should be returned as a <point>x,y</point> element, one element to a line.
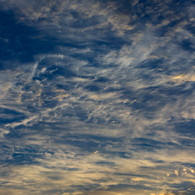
<point>97,97</point>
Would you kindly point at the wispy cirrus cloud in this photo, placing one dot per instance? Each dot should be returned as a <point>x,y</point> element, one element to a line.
<point>101,113</point>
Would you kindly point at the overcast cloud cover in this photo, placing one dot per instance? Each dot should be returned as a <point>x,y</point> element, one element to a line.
<point>97,97</point>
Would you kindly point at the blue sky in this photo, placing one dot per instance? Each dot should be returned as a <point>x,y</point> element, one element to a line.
<point>97,97</point>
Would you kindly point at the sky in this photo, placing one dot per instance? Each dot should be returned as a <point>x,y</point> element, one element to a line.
<point>97,97</point>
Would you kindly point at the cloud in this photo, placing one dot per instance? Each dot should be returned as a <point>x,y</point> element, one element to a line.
<point>102,113</point>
